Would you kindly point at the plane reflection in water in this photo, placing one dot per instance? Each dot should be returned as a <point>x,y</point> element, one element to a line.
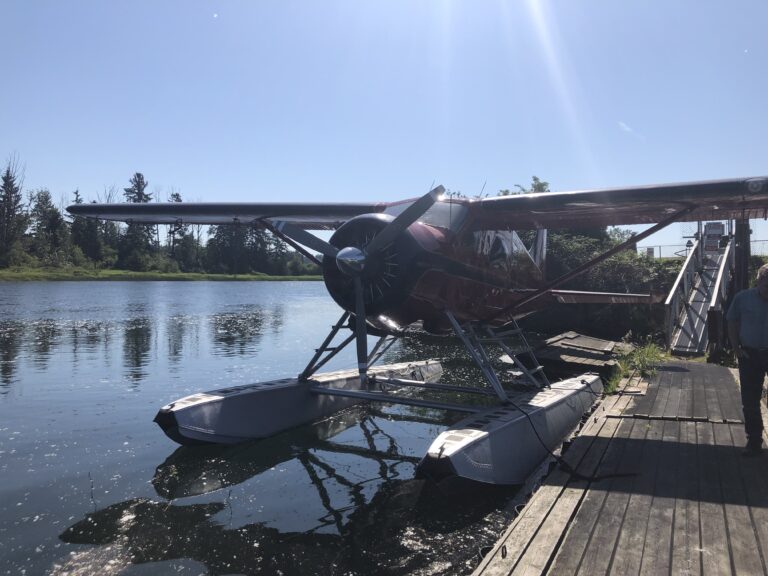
<point>244,509</point>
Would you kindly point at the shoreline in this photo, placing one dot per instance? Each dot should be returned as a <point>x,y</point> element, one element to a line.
<point>77,274</point>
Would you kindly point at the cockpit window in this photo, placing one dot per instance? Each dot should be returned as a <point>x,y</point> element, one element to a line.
<point>448,215</point>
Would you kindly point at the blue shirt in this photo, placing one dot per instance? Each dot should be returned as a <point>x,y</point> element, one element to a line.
<point>750,310</point>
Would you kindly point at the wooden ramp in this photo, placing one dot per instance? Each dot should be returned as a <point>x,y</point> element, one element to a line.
<point>677,496</point>
<point>576,350</point>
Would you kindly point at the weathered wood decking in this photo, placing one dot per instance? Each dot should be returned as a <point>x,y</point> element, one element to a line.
<point>680,499</point>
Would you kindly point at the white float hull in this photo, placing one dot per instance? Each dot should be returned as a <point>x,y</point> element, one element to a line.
<point>500,446</point>
<point>241,413</point>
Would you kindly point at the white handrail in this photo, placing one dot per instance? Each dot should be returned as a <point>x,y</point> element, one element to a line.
<point>675,301</point>
<point>683,272</point>
<point>719,286</point>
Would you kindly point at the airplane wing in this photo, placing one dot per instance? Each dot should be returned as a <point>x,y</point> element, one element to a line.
<point>708,200</point>
<point>308,216</point>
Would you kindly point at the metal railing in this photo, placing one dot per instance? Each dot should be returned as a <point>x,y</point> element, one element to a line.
<point>757,248</point>
<point>678,296</point>
<point>663,251</point>
<point>716,313</point>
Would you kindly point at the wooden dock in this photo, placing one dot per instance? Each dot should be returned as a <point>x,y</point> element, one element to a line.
<point>677,497</point>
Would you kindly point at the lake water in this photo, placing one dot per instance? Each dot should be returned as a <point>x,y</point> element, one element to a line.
<point>90,485</point>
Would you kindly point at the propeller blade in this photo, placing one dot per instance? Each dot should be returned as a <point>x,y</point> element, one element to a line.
<point>403,220</point>
<point>303,237</point>
<point>361,333</point>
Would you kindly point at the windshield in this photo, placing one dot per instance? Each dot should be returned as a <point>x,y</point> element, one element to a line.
<point>448,215</point>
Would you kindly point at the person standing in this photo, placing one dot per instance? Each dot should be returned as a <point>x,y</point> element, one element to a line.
<point>748,331</point>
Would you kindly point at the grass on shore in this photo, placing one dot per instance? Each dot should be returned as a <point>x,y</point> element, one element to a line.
<point>50,274</point>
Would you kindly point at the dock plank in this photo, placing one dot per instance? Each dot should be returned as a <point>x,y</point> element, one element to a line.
<point>714,542</point>
<point>728,395</point>
<point>629,548</point>
<point>685,409</point>
<point>686,544</point>
<point>714,410</point>
<point>671,410</point>
<point>601,459</point>
<point>699,400</point>
<point>599,552</point>
<point>641,408</point>
<point>657,548</point>
<point>753,472</point>
<point>741,535</point>
<point>664,384</point>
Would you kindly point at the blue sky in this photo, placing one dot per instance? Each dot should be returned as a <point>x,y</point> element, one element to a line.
<point>357,101</point>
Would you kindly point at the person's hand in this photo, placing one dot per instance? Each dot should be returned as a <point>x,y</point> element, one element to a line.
<point>741,352</point>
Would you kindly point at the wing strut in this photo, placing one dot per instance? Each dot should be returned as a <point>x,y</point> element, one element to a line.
<point>268,225</point>
<point>588,265</point>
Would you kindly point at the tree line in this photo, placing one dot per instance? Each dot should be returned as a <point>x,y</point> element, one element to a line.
<point>34,232</point>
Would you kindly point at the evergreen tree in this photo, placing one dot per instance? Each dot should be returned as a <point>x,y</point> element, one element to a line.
<point>227,250</point>
<point>187,250</point>
<point>85,233</point>
<point>50,235</point>
<point>13,219</point>
<point>279,255</point>
<point>136,243</point>
<point>177,230</point>
<point>258,246</point>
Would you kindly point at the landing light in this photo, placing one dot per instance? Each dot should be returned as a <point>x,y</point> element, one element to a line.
<point>755,185</point>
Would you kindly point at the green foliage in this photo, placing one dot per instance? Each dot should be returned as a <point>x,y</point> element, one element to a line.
<point>136,244</point>
<point>39,236</point>
<point>89,273</point>
<point>643,359</point>
<point>13,218</point>
<point>646,358</point>
<point>625,272</point>
<point>50,233</point>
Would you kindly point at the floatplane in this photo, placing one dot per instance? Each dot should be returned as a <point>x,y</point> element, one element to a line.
<point>455,266</point>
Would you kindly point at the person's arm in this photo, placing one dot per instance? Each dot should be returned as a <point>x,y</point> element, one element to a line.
<point>733,336</point>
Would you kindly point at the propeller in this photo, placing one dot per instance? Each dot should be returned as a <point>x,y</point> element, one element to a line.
<point>403,220</point>
<point>352,261</point>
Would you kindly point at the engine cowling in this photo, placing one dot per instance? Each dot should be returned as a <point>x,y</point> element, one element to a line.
<point>387,276</point>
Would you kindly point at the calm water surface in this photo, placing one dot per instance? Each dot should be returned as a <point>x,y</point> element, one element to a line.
<point>90,485</point>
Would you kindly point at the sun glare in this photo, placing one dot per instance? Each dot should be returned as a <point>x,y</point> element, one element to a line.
<point>547,35</point>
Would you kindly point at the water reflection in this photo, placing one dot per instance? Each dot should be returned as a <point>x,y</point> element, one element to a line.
<point>138,531</point>
<point>359,511</point>
<point>86,336</point>
<point>236,333</point>
<point>192,471</point>
<point>11,335</point>
<point>175,328</point>
<point>45,336</point>
<point>137,343</point>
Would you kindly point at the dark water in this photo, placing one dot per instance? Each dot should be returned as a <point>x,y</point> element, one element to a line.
<point>89,485</point>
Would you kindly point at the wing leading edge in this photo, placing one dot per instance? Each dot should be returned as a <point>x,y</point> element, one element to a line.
<point>708,200</point>
<point>711,200</point>
<point>307,216</point>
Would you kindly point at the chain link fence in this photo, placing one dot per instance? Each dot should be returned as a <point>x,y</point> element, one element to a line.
<point>758,248</point>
